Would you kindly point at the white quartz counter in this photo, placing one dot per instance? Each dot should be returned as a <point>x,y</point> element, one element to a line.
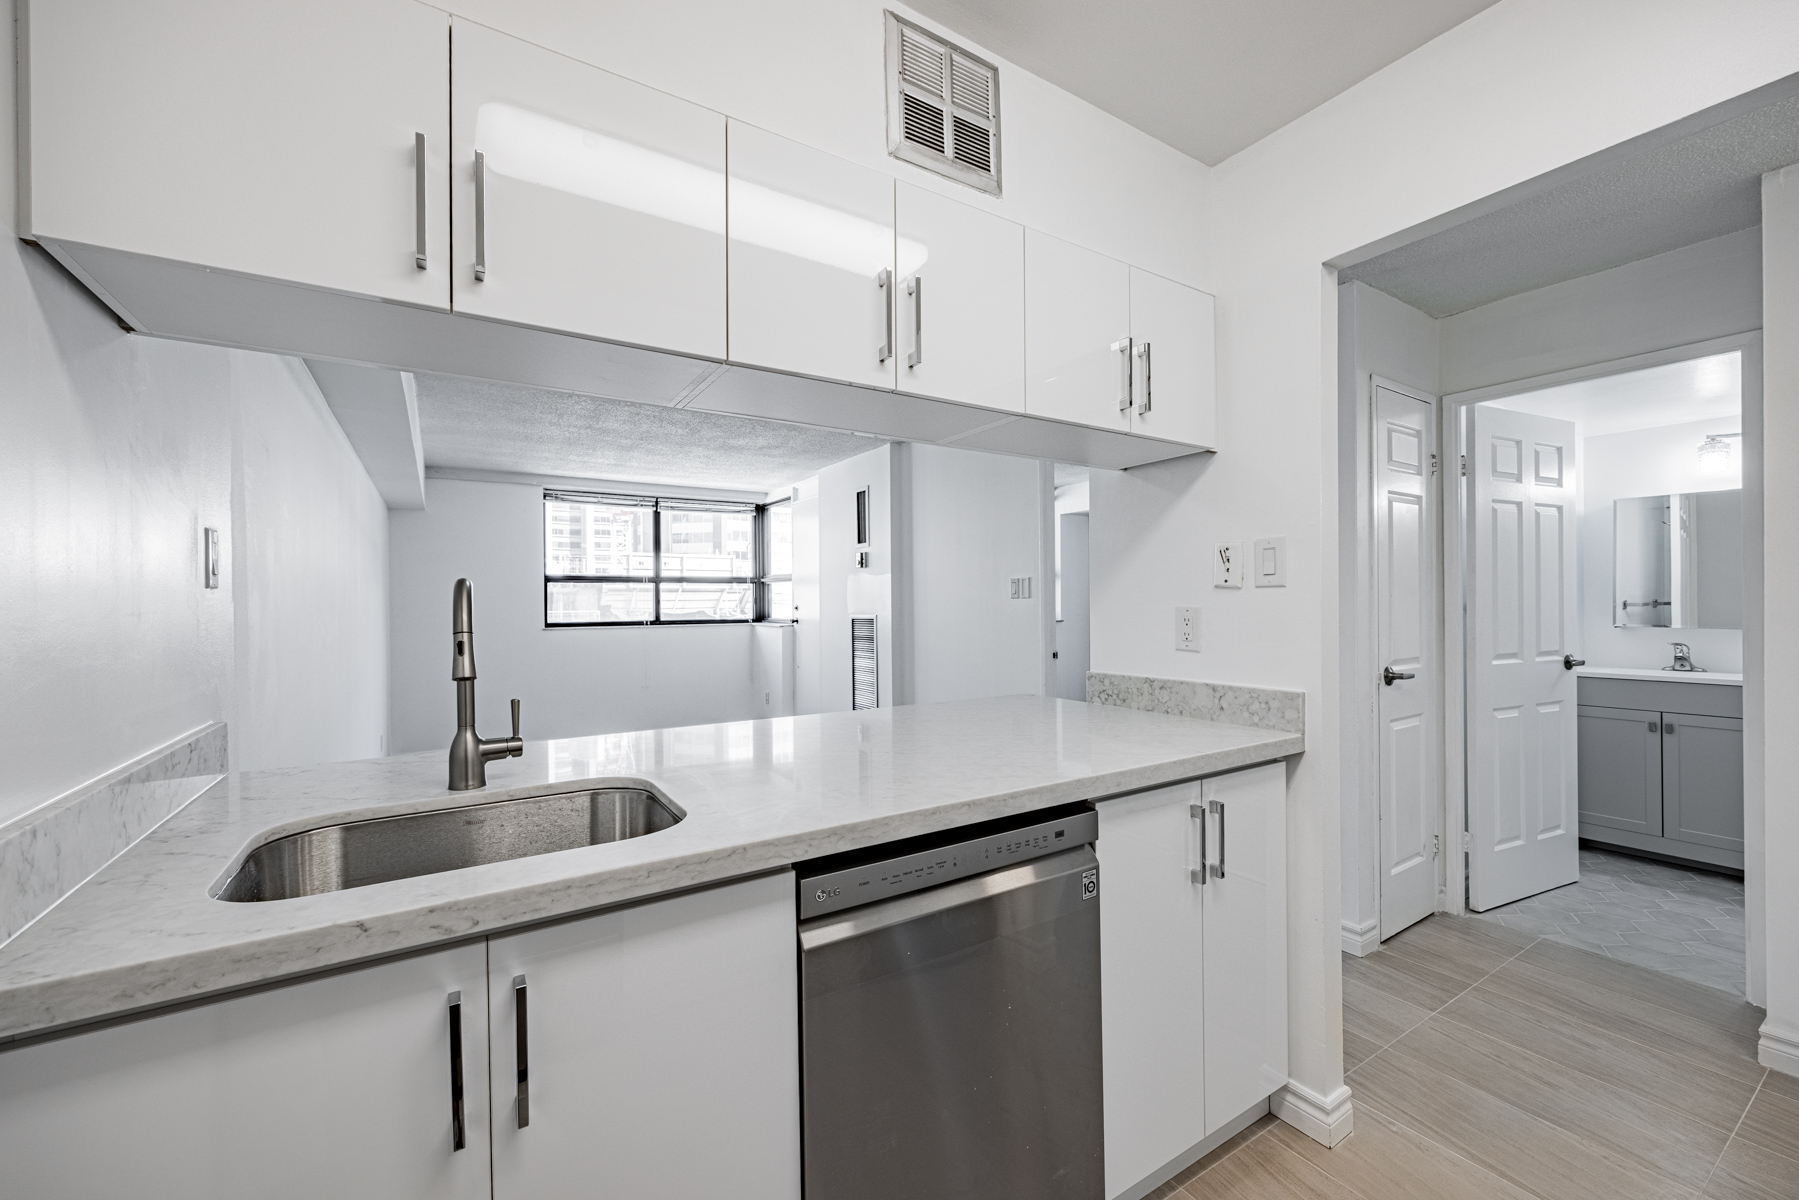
<point>1724,677</point>
<point>758,795</point>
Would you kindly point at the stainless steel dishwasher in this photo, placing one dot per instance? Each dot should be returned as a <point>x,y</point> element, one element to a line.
<point>950,1018</point>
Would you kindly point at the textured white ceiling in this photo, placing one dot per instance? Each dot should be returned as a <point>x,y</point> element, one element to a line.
<point>1686,190</point>
<point>1208,77</point>
<point>1696,390</point>
<point>500,427</point>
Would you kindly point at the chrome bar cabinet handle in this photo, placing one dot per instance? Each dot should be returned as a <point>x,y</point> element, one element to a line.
<point>418,201</point>
<point>480,215</point>
<point>1143,400</point>
<point>1217,807</point>
<point>458,1128</point>
<point>524,1050</point>
<point>1198,874</point>
<point>1122,348</point>
<point>915,289</point>
<point>884,281</point>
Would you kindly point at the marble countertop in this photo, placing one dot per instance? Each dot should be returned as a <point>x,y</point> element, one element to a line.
<point>758,795</point>
<point>1734,680</point>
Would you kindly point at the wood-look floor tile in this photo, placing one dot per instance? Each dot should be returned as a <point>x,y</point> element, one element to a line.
<point>1631,1126</point>
<point>1772,1122</point>
<point>1584,1001</point>
<point>1206,1162</point>
<point>1646,1070</point>
<point>1782,1085</point>
<point>1385,1160</point>
<point>1415,982</point>
<point>1748,1172</point>
<point>1678,995</point>
<point>1265,1170</point>
<point>1372,1018</point>
<point>1461,949</point>
<point>1513,1144</point>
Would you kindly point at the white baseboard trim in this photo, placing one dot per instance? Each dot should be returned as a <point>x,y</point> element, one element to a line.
<point>1779,1049</point>
<point>1194,1153</point>
<point>1325,1119</point>
<point>1362,940</point>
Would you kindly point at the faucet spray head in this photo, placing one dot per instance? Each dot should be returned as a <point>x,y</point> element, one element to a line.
<point>462,632</point>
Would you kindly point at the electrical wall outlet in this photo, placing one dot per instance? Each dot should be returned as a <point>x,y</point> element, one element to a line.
<point>1186,628</point>
<point>1270,563</point>
<point>1228,564</point>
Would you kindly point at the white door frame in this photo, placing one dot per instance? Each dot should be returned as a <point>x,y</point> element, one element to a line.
<point>1452,432</point>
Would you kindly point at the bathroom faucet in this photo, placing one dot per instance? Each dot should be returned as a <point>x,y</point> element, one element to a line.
<point>1683,658</point>
<point>470,751</point>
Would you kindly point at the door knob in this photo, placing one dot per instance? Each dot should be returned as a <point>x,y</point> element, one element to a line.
<point>1388,675</point>
<point>1569,662</point>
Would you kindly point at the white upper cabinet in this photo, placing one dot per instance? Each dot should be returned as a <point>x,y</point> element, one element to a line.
<point>812,285</point>
<point>661,1050</point>
<point>1171,345</point>
<point>342,1086</point>
<point>277,140</point>
<point>1077,334</point>
<point>961,301</point>
<point>596,205</point>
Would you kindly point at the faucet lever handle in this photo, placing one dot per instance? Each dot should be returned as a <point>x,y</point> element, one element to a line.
<point>515,718</point>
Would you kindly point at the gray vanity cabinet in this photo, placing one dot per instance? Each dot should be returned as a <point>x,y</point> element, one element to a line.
<point>1661,768</point>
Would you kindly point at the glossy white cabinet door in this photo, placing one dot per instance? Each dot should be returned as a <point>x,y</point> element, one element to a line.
<point>1172,344</point>
<point>961,301</point>
<point>1077,314</point>
<point>662,1047</point>
<point>338,1087</point>
<point>269,139</point>
<point>602,210</point>
<point>1246,940</point>
<point>811,236</point>
<point>1152,980</point>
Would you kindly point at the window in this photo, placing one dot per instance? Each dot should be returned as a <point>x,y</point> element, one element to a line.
<point>777,560</point>
<point>638,560</point>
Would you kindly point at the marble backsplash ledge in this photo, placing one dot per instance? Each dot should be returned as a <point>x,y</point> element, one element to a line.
<point>52,849</point>
<point>1234,704</point>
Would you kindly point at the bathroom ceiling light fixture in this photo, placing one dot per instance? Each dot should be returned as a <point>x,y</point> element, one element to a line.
<point>1714,454</point>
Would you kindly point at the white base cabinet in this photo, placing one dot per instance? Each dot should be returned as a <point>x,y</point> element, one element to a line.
<point>662,1051</point>
<point>337,1087</point>
<point>1193,974</point>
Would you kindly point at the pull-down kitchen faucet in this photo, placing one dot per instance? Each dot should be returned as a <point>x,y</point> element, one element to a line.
<point>470,751</point>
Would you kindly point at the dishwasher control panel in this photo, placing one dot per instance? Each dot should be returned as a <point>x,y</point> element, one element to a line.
<point>835,890</point>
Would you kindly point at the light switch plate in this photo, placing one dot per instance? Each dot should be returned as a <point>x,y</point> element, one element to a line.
<point>1269,563</point>
<point>1186,628</point>
<point>1229,561</point>
<point>1021,587</point>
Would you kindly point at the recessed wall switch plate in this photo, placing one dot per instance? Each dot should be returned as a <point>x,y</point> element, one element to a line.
<point>1269,564</point>
<point>1229,561</point>
<point>1186,628</point>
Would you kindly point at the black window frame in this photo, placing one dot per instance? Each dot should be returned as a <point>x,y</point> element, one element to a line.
<point>656,579</point>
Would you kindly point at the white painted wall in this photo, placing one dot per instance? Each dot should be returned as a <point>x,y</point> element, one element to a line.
<point>845,588</point>
<point>972,522</point>
<point>1778,918</point>
<point>1443,127</point>
<point>1377,335</point>
<point>570,681</point>
<point>1643,462</point>
<point>808,644</point>
<point>1074,628</point>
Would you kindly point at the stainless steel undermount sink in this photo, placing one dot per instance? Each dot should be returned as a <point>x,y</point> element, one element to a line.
<point>358,853</point>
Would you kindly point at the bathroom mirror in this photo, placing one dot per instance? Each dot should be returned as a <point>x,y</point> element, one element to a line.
<point>1677,561</point>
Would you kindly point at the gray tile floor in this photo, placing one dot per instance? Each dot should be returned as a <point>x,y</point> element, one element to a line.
<point>1680,921</point>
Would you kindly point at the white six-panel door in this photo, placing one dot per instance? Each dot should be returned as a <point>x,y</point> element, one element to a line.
<point>1409,710</point>
<point>600,207</point>
<point>1522,715</point>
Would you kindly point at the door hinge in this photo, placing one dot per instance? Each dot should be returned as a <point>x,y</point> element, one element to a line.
<point>1433,464</point>
<point>1467,840</point>
<point>1464,466</point>
<point>1436,844</point>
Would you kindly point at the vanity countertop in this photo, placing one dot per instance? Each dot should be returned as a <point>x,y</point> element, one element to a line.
<point>758,795</point>
<point>1724,677</point>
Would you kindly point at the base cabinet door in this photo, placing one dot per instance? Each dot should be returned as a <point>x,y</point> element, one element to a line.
<point>1077,334</point>
<point>660,1051</point>
<point>597,205</point>
<point>1702,780</point>
<point>1172,351</point>
<point>337,1087</point>
<point>277,140</point>
<point>812,286</point>
<point>1245,938</point>
<point>1152,981</point>
<point>1621,769</point>
<point>961,301</point>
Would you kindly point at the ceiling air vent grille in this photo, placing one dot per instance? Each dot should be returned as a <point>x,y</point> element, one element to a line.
<point>942,107</point>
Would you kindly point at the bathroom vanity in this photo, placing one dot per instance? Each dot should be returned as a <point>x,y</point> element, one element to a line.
<point>1661,763</point>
